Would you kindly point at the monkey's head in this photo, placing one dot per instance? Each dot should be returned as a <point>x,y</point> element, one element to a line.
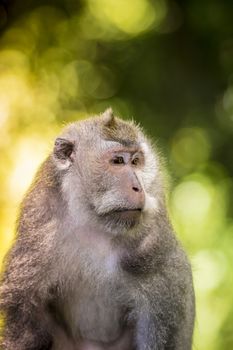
<point>108,167</point>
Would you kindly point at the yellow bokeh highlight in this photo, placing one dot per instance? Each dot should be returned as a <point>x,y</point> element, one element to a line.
<point>29,155</point>
<point>193,200</point>
<point>131,17</point>
<point>198,207</point>
<point>190,148</point>
<point>210,271</point>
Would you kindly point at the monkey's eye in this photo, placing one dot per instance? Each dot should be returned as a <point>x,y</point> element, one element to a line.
<point>135,161</point>
<point>118,160</point>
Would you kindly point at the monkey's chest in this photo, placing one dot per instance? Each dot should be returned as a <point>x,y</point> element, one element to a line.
<point>95,306</point>
<point>95,312</point>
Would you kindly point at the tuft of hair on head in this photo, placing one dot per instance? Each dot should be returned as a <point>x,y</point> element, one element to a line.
<point>109,119</point>
<point>118,130</point>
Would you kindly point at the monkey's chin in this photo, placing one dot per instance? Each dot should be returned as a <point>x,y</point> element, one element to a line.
<point>124,218</point>
<point>129,214</point>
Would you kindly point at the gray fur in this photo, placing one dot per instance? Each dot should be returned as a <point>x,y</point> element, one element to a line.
<point>81,277</point>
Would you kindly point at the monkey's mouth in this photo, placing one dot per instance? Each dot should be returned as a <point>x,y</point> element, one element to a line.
<point>126,217</point>
<point>127,214</point>
<point>128,210</point>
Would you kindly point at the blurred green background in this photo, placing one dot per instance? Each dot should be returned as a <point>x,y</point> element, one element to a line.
<point>169,65</point>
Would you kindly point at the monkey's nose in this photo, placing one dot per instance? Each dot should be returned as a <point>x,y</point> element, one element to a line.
<point>138,196</point>
<point>136,189</point>
<point>136,185</point>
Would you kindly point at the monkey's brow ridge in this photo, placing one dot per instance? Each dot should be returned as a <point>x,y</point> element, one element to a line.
<point>124,142</point>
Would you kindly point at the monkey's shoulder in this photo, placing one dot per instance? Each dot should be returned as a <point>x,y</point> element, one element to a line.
<point>157,256</point>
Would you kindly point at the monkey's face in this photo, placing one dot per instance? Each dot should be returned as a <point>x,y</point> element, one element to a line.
<point>109,171</point>
<point>117,195</point>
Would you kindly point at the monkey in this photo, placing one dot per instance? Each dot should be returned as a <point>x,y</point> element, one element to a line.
<point>95,264</point>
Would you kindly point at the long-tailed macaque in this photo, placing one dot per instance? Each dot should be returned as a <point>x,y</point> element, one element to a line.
<point>95,264</point>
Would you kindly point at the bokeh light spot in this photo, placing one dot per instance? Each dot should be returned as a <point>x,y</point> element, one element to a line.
<point>29,153</point>
<point>190,147</point>
<point>209,269</point>
<point>193,200</point>
<point>131,17</point>
<point>198,208</point>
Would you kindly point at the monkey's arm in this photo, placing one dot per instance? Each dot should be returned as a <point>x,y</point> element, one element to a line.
<point>166,315</point>
<point>24,294</point>
<point>25,287</point>
<point>25,329</point>
<point>24,316</point>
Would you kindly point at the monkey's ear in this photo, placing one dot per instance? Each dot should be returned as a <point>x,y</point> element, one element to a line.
<point>109,119</point>
<point>63,151</point>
